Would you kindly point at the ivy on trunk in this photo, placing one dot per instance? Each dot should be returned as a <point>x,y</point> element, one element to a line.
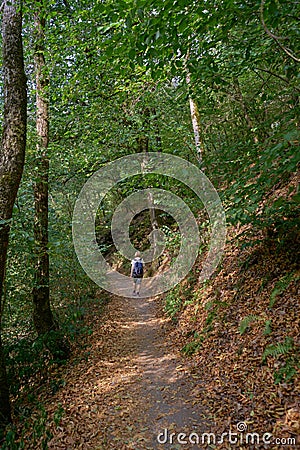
<point>12,152</point>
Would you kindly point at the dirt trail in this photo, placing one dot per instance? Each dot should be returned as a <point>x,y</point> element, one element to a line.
<point>128,386</point>
<point>165,383</point>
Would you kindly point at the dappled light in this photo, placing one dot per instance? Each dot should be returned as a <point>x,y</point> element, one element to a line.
<point>149,225</point>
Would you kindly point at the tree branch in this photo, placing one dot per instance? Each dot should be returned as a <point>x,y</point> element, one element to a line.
<point>275,75</point>
<point>273,36</point>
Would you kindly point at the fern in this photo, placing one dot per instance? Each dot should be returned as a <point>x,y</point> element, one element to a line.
<point>287,372</point>
<point>280,287</point>
<point>268,327</point>
<point>247,321</point>
<point>192,347</point>
<point>279,349</point>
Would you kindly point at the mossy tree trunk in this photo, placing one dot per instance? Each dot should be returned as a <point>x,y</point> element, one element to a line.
<point>42,314</point>
<point>12,152</point>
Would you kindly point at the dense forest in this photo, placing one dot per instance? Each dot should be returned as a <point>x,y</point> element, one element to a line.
<point>169,128</point>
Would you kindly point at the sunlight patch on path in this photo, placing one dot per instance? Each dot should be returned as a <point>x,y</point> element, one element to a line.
<point>124,387</point>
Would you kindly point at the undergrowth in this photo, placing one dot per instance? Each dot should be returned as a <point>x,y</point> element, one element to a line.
<point>287,355</point>
<point>36,431</point>
<point>29,359</point>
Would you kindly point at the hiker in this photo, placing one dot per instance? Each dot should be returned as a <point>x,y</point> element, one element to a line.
<point>137,272</point>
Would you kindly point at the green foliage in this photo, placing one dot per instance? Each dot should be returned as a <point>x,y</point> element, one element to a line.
<point>180,296</point>
<point>192,347</point>
<point>290,364</point>
<point>24,359</point>
<point>268,327</point>
<point>272,167</point>
<point>276,350</point>
<point>247,321</point>
<point>35,431</point>
<point>172,240</point>
<point>209,321</point>
<point>30,357</point>
<point>173,302</point>
<point>280,287</point>
<point>287,372</point>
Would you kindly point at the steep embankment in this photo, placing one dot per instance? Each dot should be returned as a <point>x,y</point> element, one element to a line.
<point>241,333</point>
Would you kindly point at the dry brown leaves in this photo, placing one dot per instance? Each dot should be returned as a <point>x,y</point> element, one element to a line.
<point>239,387</point>
<point>106,394</point>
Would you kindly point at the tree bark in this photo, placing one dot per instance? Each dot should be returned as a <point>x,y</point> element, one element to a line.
<point>195,116</point>
<point>12,153</point>
<point>42,314</point>
<point>143,146</point>
<point>196,127</point>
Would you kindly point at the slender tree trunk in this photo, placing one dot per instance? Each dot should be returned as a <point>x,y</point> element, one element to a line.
<point>42,314</point>
<point>12,152</point>
<point>157,131</point>
<point>143,144</point>
<point>195,116</point>
<point>196,127</point>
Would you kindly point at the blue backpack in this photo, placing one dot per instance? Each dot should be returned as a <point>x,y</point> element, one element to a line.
<point>138,270</point>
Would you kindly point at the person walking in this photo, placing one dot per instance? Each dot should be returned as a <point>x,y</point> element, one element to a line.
<point>137,272</point>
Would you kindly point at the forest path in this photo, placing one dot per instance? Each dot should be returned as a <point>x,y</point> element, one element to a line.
<point>128,385</point>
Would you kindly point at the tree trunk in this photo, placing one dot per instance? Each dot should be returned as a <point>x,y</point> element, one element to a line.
<point>196,127</point>
<point>143,145</point>
<point>12,151</point>
<point>42,314</point>
<point>157,131</point>
<point>195,116</point>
